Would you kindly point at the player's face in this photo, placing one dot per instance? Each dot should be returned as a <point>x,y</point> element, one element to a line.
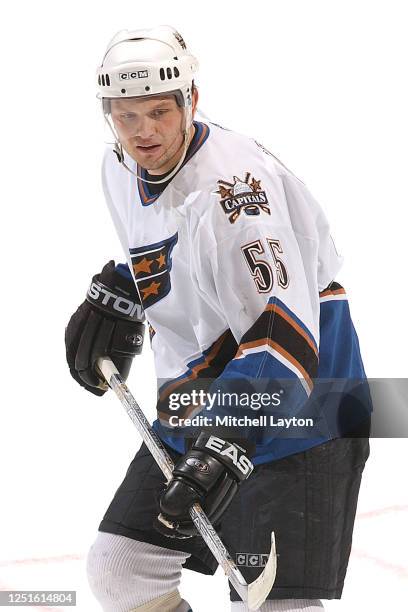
<point>150,131</point>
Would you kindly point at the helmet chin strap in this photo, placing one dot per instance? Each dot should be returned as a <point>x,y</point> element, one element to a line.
<point>118,149</point>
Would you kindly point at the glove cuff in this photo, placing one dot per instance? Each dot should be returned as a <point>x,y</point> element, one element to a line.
<point>229,454</point>
<point>115,295</point>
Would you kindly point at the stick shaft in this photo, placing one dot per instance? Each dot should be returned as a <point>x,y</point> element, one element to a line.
<point>150,438</point>
<point>165,463</point>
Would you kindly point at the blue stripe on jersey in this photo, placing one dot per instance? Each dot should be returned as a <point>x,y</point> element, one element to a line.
<point>123,269</point>
<point>241,376</point>
<point>167,242</point>
<point>339,351</point>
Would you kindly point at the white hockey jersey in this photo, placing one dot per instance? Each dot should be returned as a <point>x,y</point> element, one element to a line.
<point>230,262</point>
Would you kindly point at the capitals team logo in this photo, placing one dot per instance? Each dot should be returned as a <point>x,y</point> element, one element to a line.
<point>151,266</point>
<point>242,195</point>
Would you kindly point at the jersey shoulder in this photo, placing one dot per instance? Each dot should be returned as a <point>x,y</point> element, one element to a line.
<point>242,190</point>
<point>233,180</point>
<point>227,153</point>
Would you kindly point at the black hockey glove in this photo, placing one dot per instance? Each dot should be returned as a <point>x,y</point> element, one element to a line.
<point>209,473</point>
<point>109,323</point>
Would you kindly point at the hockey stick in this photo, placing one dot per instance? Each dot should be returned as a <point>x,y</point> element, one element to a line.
<point>255,593</point>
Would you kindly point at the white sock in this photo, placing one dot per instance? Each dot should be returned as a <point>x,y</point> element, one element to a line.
<point>124,573</point>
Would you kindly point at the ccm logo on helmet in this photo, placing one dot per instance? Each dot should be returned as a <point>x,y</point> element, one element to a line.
<point>222,447</point>
<point>121,304</point>
<point>137,74</point>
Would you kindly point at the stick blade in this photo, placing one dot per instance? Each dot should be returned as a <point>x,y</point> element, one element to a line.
<point>260,588</point>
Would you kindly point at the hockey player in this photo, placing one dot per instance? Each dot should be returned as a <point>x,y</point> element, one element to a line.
<point>230,261</point>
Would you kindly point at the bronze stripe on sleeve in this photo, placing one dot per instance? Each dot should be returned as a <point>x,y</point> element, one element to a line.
<point>333,289</point>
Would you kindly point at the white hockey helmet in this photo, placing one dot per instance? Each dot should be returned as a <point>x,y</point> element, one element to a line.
<point>146,62</point>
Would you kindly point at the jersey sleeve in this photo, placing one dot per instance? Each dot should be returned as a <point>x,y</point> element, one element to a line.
<point>267,272</point>
<point>308,219</point>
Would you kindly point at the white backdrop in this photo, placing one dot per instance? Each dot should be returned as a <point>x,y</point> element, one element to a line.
<point>320,83</point>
